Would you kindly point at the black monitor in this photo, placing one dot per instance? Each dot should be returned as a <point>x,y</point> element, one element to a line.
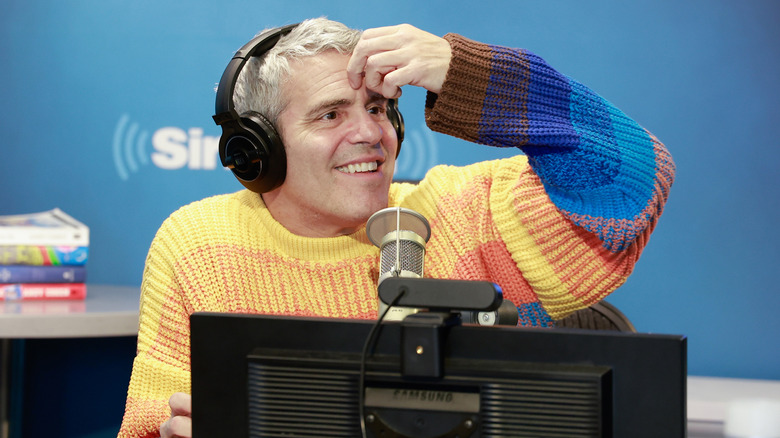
<point>273,376</point>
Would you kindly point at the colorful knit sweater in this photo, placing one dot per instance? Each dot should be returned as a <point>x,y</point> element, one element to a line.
<point>558,228</point>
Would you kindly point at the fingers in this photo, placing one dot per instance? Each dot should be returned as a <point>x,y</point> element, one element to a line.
<point>181,404</point>
<point>180,423</point>
<point>387,58</point>
<point>177,427</point>
<point>383,77</point>
<point>370,44</point>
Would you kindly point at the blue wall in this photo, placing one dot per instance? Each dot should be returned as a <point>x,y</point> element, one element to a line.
<point>107,106</point>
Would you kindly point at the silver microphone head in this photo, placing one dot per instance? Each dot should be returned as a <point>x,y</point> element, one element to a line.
<point>401,235</point>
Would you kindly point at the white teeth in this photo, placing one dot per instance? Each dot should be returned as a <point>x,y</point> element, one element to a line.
<point>360,167</point>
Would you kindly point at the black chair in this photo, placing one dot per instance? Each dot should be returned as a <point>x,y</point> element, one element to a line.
<point>600,316</point>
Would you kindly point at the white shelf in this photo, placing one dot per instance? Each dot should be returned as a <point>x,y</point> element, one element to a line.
<point>107,311</point>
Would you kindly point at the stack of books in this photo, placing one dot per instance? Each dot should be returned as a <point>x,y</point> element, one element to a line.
<point>43,256</point>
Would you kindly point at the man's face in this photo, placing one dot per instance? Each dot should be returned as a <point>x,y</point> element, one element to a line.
<point>340,148</point>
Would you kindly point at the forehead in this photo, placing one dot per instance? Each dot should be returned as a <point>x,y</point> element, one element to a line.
<point>318,75</point>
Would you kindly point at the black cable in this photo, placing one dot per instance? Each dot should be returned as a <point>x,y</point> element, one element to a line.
<point>370,342</point>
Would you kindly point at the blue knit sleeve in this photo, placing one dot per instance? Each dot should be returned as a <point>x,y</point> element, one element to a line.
<point>601,169</point>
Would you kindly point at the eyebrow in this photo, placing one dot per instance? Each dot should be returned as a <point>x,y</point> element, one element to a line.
<point>335,103</point>
<point>376,97</point>
<point>322,106</point>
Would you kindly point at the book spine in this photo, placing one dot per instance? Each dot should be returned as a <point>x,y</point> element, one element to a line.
<point>43,255</point>
<point>53,227</point>
<point>43,274</point>
<point>56,237</point>
<point>42,291</point>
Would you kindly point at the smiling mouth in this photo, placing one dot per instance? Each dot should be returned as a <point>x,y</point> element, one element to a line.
<point>359,167</point>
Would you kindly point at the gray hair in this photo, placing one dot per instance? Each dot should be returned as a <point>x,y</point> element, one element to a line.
<point>259,84</point>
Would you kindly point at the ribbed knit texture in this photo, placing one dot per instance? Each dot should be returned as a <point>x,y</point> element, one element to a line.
<point>558,230</point>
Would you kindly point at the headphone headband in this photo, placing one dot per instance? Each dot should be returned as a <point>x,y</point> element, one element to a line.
<point>257,46</point>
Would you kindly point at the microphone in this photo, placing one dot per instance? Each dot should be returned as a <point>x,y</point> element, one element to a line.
<point>401,235</point>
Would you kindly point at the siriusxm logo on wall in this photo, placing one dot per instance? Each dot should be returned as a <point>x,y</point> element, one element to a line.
<point>172,148</point>
<point>167,148</point>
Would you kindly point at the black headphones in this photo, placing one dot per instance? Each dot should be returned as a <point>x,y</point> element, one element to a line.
<point>250,145</point>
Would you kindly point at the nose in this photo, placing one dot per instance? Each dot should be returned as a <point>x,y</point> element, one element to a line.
<point>364,129</point>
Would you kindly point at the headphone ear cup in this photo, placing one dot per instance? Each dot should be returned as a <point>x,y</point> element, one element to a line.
<point>252,149</point>
<point>397,120</point>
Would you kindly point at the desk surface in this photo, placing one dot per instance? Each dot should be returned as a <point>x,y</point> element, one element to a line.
<point>113,311</point>
<point>709,399</point>
<point>107,311</point>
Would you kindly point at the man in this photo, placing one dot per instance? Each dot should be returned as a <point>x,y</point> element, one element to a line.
<point>558,228</point>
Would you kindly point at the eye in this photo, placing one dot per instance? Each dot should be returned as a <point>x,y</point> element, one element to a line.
<point>329,115</point>
<point>376,110</point>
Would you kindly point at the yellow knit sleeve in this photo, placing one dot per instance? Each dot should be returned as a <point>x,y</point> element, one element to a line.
<point>494,221</point>
<point>567,266</point>
<point>162,364</point>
